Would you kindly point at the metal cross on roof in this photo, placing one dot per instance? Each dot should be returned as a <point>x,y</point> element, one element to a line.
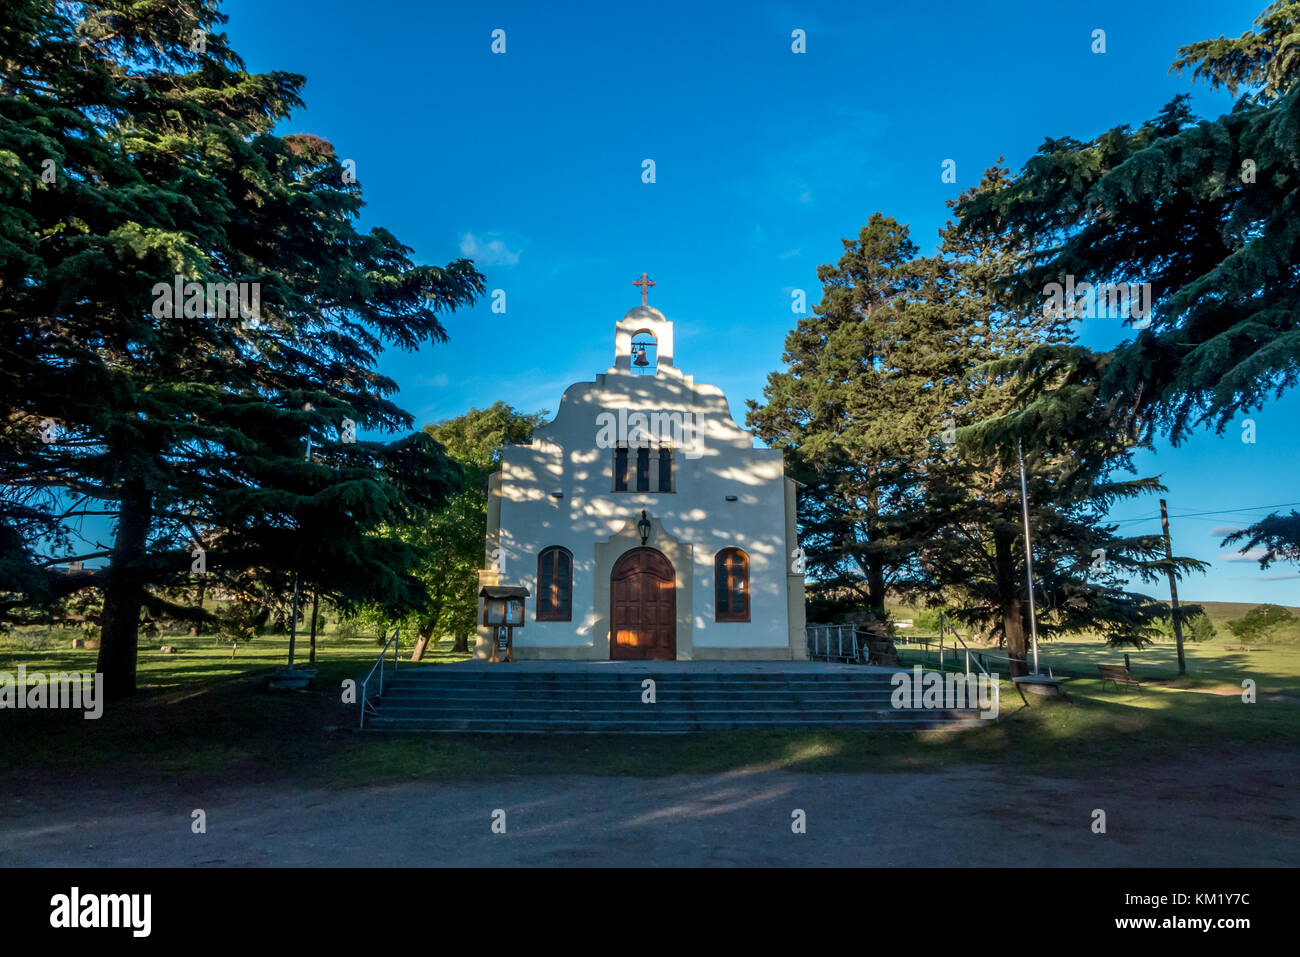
<point>645,285</point>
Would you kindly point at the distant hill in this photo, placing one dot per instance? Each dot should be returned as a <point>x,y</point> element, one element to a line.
<point>1220,612</point>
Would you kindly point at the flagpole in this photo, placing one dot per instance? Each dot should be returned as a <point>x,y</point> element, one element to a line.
<point>293,618</point>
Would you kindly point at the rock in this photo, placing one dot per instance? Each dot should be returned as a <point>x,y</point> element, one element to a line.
<point>92,644</point>
<point>882,652</point>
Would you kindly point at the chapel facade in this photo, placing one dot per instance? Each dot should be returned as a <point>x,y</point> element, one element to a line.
<point>644,523</point>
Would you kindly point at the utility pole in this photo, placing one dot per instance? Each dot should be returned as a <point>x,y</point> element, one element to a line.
<point>1173,589</point>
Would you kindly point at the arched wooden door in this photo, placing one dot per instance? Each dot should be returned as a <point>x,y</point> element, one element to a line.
<point>643,607</point>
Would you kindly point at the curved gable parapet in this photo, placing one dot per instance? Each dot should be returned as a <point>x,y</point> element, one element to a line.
<point>667,406</point>
<point>574,395</point>
<point>640,408</point>
<point>713,392</point>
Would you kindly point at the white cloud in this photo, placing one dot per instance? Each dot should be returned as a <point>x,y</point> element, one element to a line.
<point>1254,555</point>
<point>487,251</point>
<point>1222,531</point>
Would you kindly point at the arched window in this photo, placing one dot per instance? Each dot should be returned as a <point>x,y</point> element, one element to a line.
<point>555,584</point>
<point>645,353</point>
<point>731,585</point>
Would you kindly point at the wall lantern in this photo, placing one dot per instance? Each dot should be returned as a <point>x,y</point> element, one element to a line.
<point>643,527</point>
<point>503,612</point>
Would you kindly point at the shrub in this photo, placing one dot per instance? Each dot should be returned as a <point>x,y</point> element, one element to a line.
<point>1200,628</point>
<point>1265,623</point>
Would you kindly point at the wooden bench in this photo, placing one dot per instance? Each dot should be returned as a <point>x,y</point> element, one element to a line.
<point>1117,675</point>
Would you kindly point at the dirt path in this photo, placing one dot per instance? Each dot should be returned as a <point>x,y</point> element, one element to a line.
<point>1239,811</point>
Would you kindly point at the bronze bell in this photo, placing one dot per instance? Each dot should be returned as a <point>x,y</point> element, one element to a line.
<point>640,359</point>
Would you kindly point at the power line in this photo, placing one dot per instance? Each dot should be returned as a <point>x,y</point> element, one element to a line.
<point>1222,511</point>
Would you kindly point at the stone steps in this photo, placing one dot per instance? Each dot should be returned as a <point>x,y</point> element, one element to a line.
<point>448,698</point>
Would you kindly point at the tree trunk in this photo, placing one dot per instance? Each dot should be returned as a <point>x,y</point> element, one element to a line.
<point>875,562</point>
<point>124,593</point>
<point>461,647</point>
<point>1011,607</point>
<point>876,585</point>
<point>315,597</point>
<point>197,627</point>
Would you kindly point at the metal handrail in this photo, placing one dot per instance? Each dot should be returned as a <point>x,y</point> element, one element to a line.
<point>943,621</point>
<point>813,632</point>
<point>396,641</point>
<point>982,655</point>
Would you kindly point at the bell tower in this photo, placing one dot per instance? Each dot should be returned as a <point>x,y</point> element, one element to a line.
<point>639,322</point>
<point>643,339</point>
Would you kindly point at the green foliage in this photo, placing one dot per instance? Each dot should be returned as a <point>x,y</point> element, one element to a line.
<point>1265,61</point>
<point>1205,211</point>
<point>862,392</point>
<point>188,425</point>
<point>475,439</point>
<point>1265,623</point>
<point>896,411</point>
<point>1199,628</point>
<point>450,540</point>
<point>1277,537</point>
<point>1196,625</point>
<point>353,626</point>
<point>1078,459</point>
<point>927,620</point>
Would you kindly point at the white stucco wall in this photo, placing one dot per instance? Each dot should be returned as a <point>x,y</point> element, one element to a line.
<point>696,517</point>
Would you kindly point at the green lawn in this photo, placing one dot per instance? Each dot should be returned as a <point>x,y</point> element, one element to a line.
<point>206,716</point>
<point>1274,668</point>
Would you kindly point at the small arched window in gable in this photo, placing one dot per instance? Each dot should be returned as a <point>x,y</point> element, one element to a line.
<point>731,585</point>
<point>645,354</point>
<point>555,584</point>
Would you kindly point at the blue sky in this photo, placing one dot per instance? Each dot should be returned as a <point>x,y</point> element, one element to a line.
<point>531,163</point>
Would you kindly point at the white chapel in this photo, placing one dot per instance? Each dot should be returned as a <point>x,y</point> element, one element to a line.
<point>644,523</point>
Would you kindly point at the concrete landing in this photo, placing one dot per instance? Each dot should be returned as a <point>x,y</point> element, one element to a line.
<point>556,666</point>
